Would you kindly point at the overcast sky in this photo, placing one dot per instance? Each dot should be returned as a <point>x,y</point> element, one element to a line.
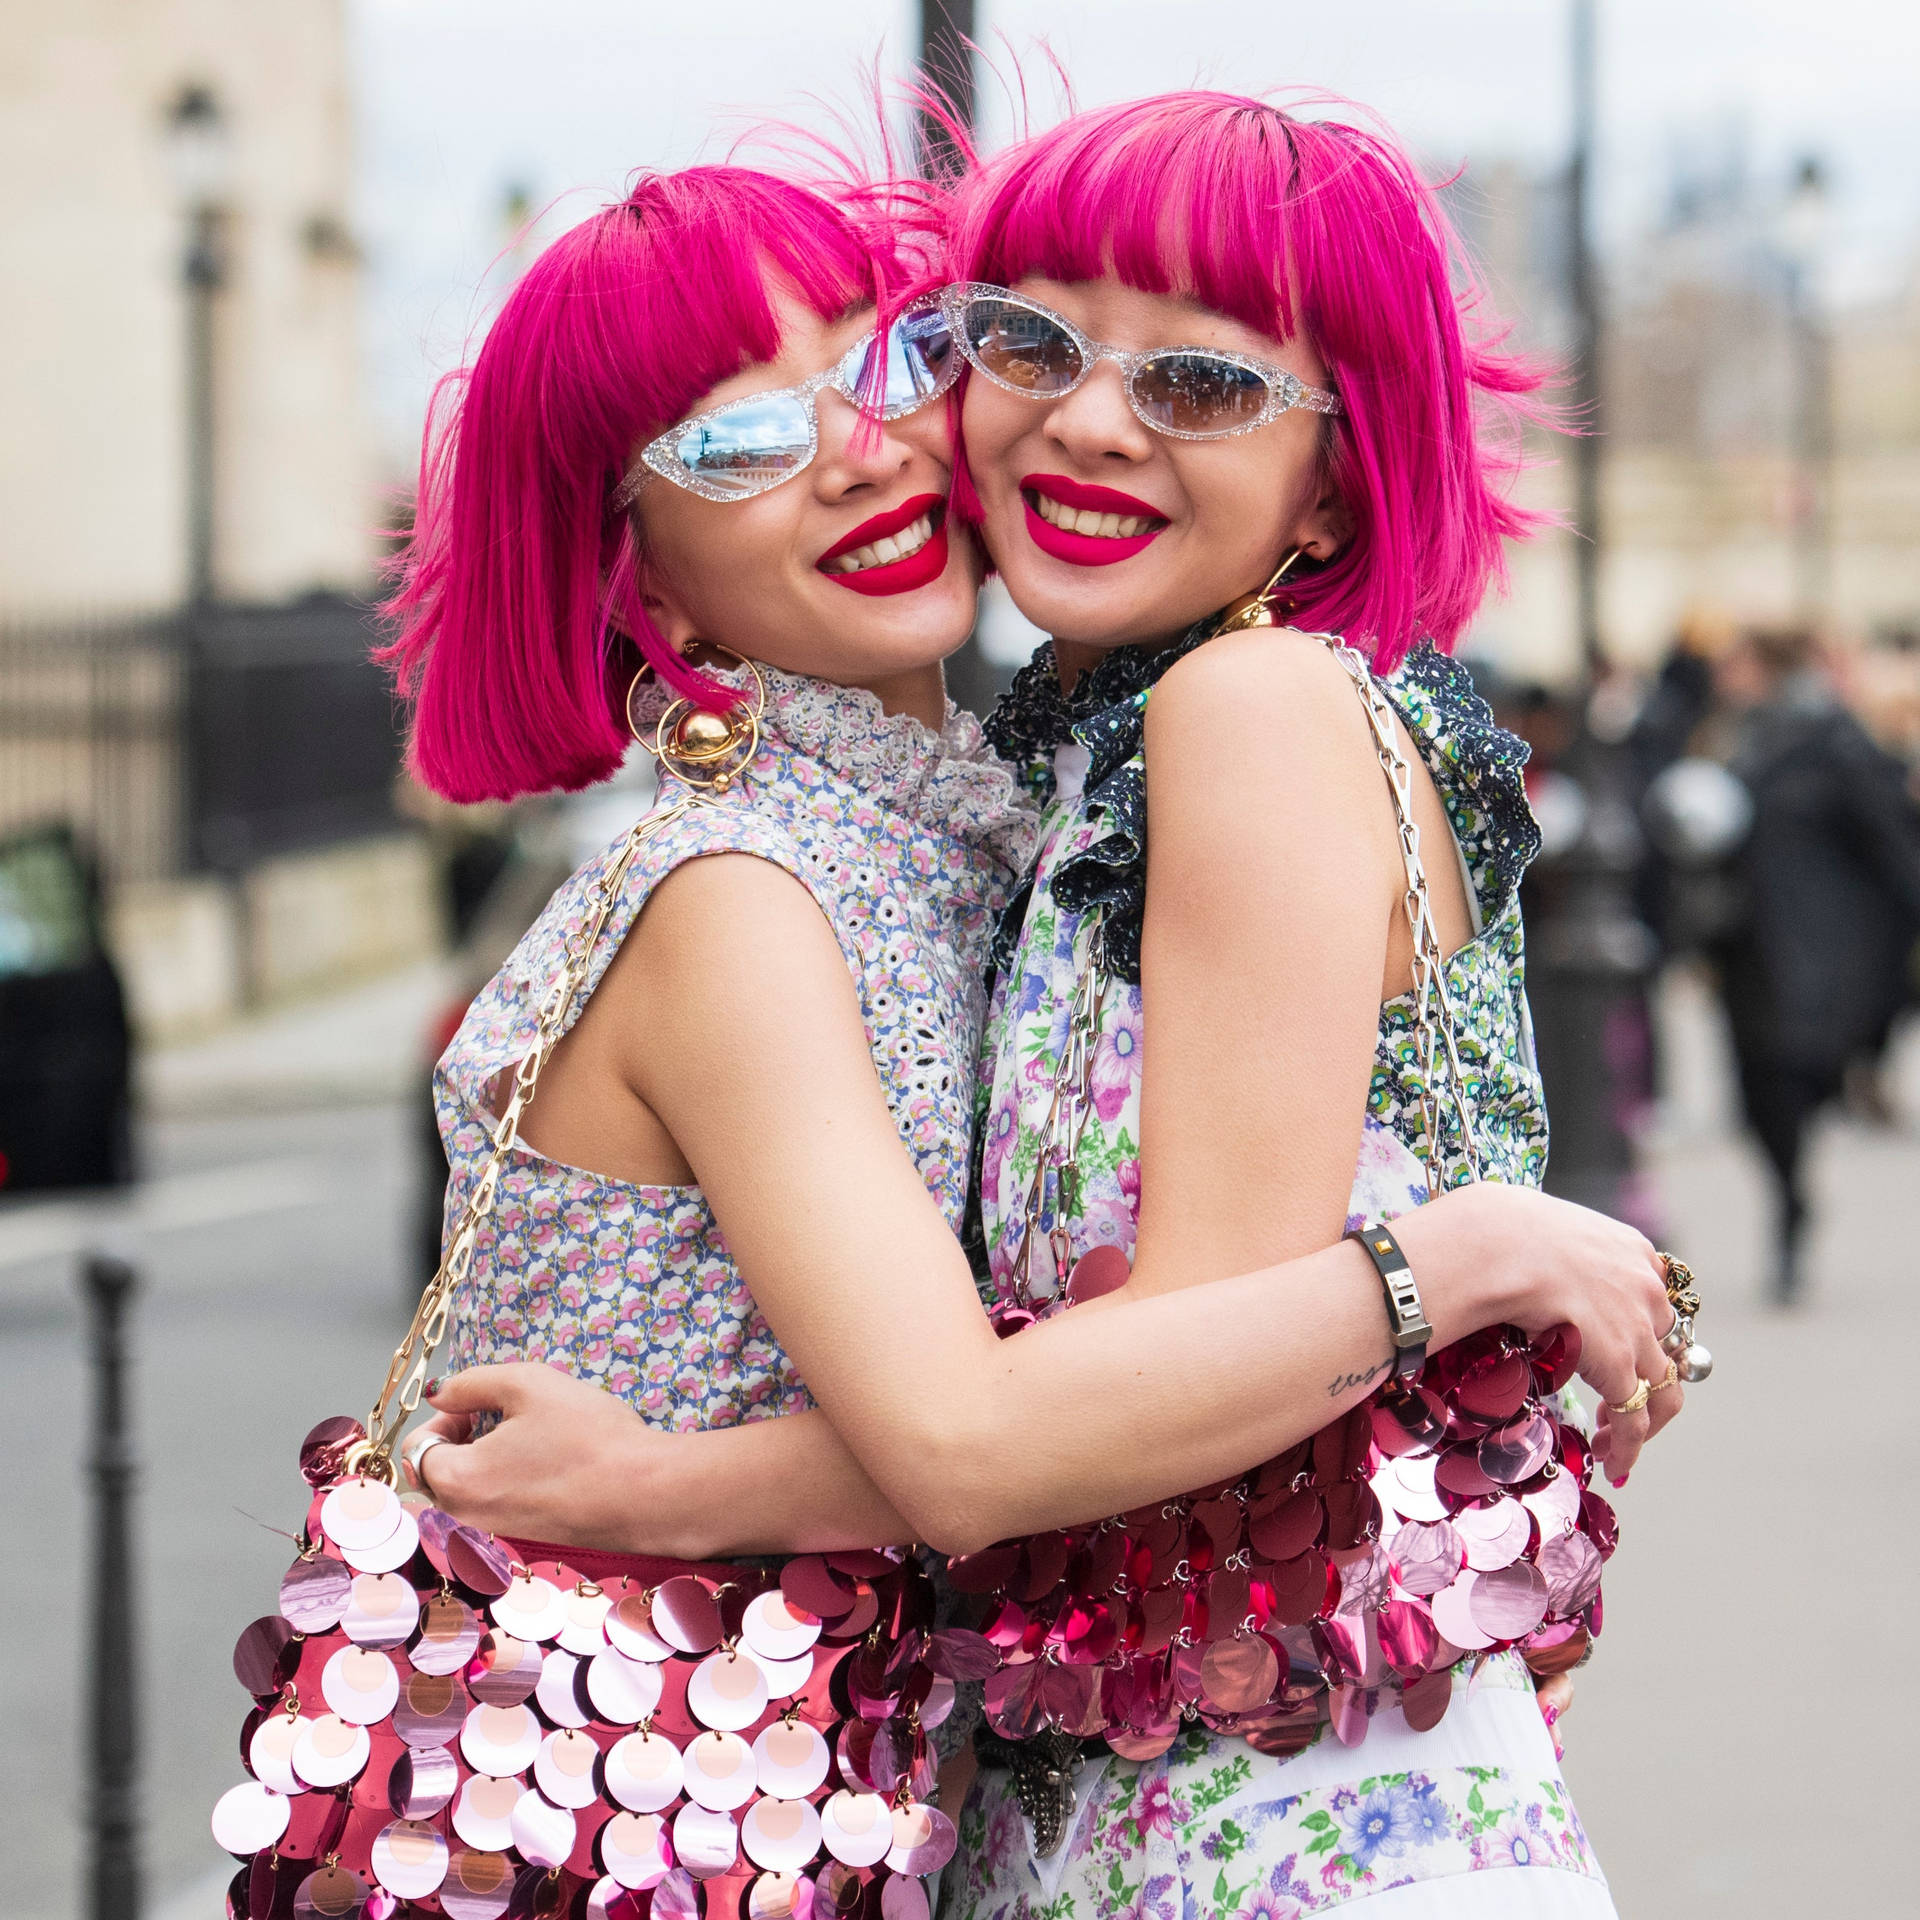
<point>459,98</point>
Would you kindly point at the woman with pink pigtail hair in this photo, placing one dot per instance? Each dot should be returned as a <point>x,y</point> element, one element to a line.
<point>1207,344</point>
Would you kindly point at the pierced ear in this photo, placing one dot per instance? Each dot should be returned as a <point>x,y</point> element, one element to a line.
<point>1326,529</point>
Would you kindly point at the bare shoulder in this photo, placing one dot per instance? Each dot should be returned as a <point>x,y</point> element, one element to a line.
<point>736,915</point>
<point>1264,707</point>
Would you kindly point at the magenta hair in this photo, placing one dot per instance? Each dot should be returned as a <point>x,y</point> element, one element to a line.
<point>521,585</point>
<point>1288,224</point>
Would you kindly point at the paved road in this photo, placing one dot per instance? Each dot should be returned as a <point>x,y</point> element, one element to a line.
<point>1725,1762</point>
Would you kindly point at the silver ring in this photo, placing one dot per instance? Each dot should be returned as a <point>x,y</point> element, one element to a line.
<point>416,1449</point>
<point>1677,1337</point>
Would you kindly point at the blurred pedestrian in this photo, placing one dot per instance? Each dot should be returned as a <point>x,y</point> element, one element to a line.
<point>1815,963</point>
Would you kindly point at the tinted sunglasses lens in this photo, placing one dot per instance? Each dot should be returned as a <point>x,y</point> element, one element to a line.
<point>1020,348</point>
<point>920,361</point>
<point>1198,393</point>
<point>748,448</point>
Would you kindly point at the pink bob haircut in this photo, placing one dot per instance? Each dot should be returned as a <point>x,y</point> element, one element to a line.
<point>1286,225</point>
<point>520,587</point>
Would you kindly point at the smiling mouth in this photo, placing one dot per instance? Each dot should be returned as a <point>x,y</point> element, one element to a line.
<point>1098,526</point>
<point>888,549</point>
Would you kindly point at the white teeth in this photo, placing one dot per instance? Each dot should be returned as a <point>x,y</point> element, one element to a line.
<point>883,552</point>
<point>1102,526</point>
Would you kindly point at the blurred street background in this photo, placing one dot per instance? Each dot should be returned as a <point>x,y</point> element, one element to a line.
<point>243,242</point>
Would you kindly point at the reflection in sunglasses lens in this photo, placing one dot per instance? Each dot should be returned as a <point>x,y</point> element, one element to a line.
<point>1198,393</point>
<point>1022,348</point>
<point>749,447</point>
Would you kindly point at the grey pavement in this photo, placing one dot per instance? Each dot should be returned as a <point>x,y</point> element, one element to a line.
<point>1742,1743</point>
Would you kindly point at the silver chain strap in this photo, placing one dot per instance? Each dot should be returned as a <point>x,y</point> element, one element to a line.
<point>406,1376</point>
<point>1433,1021</point>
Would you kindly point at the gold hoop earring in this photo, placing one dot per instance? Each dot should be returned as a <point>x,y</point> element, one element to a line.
<point>1259,609</point>
<point>699,747</point>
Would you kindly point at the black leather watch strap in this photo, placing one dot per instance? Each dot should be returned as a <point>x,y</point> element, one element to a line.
<point>1406,1317</point>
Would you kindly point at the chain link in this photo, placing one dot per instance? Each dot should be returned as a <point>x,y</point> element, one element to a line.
<point>1433,1021</point>
<point>406,1376</point>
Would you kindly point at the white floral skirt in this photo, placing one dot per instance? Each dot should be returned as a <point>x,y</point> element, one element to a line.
<point>1470,1819</point>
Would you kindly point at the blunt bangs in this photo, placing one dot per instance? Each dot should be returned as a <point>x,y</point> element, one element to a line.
<point>520,586</point>
<point>1318,227</point>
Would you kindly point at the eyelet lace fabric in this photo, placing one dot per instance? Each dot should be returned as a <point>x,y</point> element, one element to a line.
<point>908,840</point>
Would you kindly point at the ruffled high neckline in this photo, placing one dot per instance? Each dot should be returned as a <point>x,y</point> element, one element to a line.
<point>950,780</point>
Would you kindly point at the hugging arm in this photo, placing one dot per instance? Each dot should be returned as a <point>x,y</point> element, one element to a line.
<point>940,1431</point>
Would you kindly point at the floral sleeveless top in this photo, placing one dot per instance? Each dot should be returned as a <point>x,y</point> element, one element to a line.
<point>1084,761</point>
<point>908,841</point>
<point>1214,1826</point>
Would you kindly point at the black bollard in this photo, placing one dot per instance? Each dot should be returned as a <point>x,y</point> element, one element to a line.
<point>113,1866</point>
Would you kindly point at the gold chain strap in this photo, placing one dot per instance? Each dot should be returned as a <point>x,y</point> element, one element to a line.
<point>400,1397</point>
<point>1433,1022</point>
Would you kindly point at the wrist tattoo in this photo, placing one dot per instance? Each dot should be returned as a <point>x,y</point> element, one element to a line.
<point>1346,1382</point>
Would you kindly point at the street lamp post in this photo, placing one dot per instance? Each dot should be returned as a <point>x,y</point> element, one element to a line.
<point>1803,232</point>
<point>197,149</point>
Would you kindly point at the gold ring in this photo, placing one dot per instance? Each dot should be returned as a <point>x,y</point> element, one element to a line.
<point>1682,1293</point>
<point>1634,1401</point>
<point>1671,1379</point>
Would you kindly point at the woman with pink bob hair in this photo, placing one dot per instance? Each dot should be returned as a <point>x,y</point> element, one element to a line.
<point>679,438</point>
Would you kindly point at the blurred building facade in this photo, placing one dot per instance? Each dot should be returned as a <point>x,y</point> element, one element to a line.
<point>1762,439</point>
<point>188,507</point>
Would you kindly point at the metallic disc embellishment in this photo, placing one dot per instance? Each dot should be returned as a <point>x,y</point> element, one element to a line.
<point>386,1556</point>
<point>1236,1676</point>
<point>1407,1486</point>
<point>479,1562</point>
<point>585,1632</point>
<point>784,1678</point>
<point>478,1885</point>
<point>623,1691</point>
<point>791,1760</point>
<point>530,1609</point>
<point>314,1594</point>
<point>677,1897</point>
<point>559,1689</point>
<point>857,1828</point>
<point>629,1630</point>
<point>779,1896</point>
<point>543,1833</point>
<point>505,1671</point>
<point>838,1891</point>
<point>563,1768</point>
<point>608,1900</point>
<point>727,1690</point>
<point>811,1586</point>
<point>265,1655</point>
<point>324,1451</point>
<point>500,1740</point>
<point>249,1817</point>
<point>360,1684</point>
<point>781,1835</point>
<point>635,1850</point>
<point>422,1782</point>
<point>449,1636</point>
<point>923,1839</point>
<point>431,1710</point>
<point>645,1773</point>
<point>1425,1555</point>
<point>686,1615</point>
<point>270,1753</point>
<point>360,1513</point>
<point>1509,1601</point>
<point>382,1610</point>
<point>409,1859</point>
<point>903,1898</point>
<point>1555,1506</point>
<point>777,1630</point>
<point>330,1893</point>
<point>704,1842</point>
<point>329,1751</point>
<point>483,1814</point>
<point>1453,1614</point>
<point>1495,1536</point>
<point>1571,1565</point>
<point>720,1771</point>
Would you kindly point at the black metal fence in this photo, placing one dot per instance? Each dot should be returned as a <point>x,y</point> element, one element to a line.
<point>198,742</point>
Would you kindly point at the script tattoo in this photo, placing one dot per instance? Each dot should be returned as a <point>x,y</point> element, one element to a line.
<point>1348,1381</point>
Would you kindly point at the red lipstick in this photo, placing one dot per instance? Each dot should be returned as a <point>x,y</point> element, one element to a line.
<point>1086,549</point>
<point>895,576</point>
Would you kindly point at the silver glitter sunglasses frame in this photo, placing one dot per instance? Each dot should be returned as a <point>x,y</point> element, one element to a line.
<point>1285,391</point>
<point>658,456</point>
